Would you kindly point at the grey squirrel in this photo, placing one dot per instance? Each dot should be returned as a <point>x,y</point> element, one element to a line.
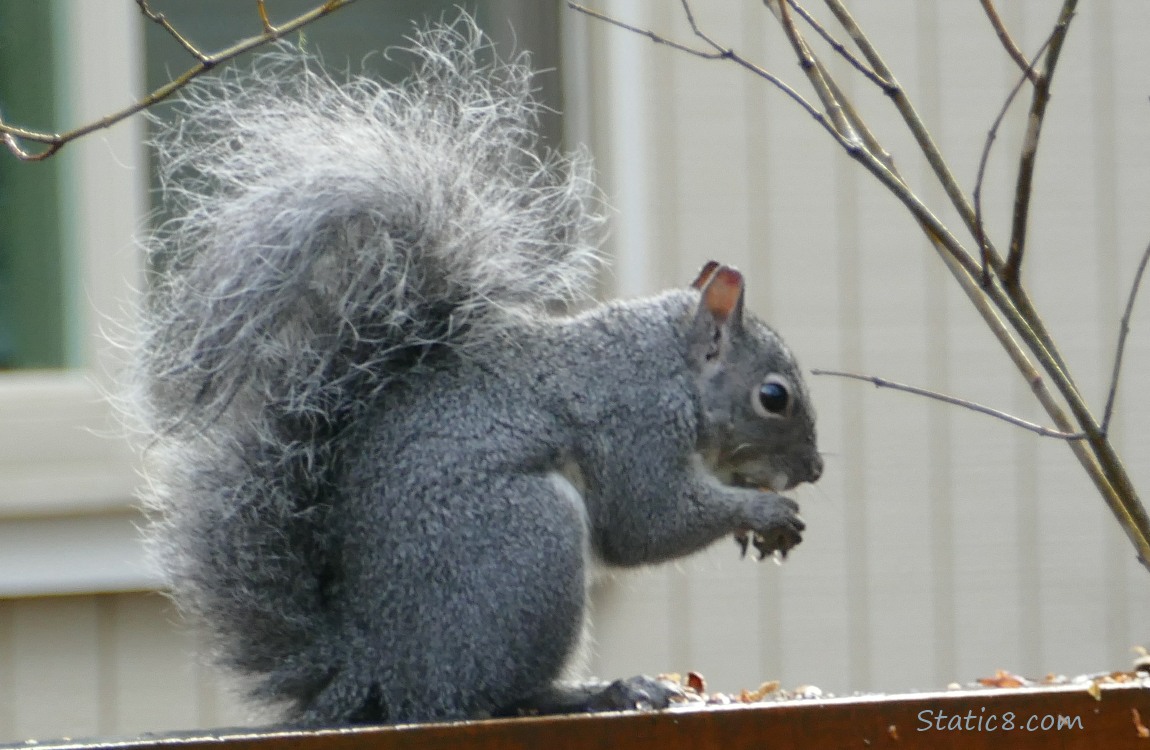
<point>382,457</point>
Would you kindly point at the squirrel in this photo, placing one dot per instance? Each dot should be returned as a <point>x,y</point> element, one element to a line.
<point>383,454</point>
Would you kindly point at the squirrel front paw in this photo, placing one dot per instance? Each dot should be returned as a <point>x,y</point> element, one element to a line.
<point>772,525</point>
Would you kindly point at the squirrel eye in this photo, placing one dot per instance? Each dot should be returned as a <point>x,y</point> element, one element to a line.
<point>773,397</point>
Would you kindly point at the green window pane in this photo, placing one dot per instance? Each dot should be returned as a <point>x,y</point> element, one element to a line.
<point>32,265</point>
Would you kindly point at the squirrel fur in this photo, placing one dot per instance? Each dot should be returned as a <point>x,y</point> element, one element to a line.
<point>381,457</point>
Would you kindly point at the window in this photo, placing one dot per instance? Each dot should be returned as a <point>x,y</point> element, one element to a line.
<point>32,309</point>
<point>69,263</point>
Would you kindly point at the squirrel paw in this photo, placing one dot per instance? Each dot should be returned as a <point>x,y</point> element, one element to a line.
<point>773,526</point>
<point>634,693</point>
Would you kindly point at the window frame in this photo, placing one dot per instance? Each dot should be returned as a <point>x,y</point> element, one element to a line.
<point>67,476</point>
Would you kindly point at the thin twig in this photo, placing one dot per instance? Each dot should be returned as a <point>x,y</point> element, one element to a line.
<point>53,142</point>
<point>1028,157</point>
<point>264,19</point>
<point>720,53</point>
<point>1123,332</point>
<point>985,157</point>
<point>840,48</point>
<point>973,406</point>
<point>1008,41</point>
<point>162,20</point>
<point>656,38</point>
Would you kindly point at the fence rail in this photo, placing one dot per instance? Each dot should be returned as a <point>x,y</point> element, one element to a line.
<point>1081,716</point>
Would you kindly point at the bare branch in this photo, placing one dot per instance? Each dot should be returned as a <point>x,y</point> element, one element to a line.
<point>1013,266</point>
<point>984,250</point>
<point>871,154</point>
<point>53,142</point>
<point>840,48</point>
<point>1024,318</point>
<point>980,408</point>
<point>909,114</point>
<point>815,72</point>
<point>1123,332</point>
<point>1008,41</point>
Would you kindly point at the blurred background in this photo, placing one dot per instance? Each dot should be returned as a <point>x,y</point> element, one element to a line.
<point>941,545</point>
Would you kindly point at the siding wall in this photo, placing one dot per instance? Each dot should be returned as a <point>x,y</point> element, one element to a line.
<point>115,664</point>
<point>941,545</point>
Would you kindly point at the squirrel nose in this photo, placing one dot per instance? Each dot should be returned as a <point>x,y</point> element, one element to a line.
<point>815,468</point>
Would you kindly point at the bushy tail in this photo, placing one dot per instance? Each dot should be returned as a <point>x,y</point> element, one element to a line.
<point>325,239</point>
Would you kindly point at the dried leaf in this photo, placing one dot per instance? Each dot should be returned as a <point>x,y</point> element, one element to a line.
<point>1003,679</point>
<point>754,696</point>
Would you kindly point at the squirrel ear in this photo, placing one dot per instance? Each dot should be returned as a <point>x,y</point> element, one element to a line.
<point>720,312</point>
<point>723,295</point>
<point>705,274</point>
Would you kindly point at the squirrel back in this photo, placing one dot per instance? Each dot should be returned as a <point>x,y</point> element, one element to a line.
<point>327,239</point>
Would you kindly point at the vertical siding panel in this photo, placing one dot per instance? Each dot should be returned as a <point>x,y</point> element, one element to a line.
<point>152,670</point>
<point>983,551</point>
<point>108,699</point>
<point>632,632</point>
<point>8,684</point>
<point>672,76</point>
<point>860,529</point>
<point>709,119</point>
<point>813,286</point>
<point>108,665</point>
<point>769,603</point>
<point>629,79</point>
<point>1026,20</point>
<point>55,664</point>
<point>892,305</point>
<point>1103,155</point>
<point>1131,429</point>
<point>637,636</point>
<point>1064,275</point>
<point>936,363</point>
